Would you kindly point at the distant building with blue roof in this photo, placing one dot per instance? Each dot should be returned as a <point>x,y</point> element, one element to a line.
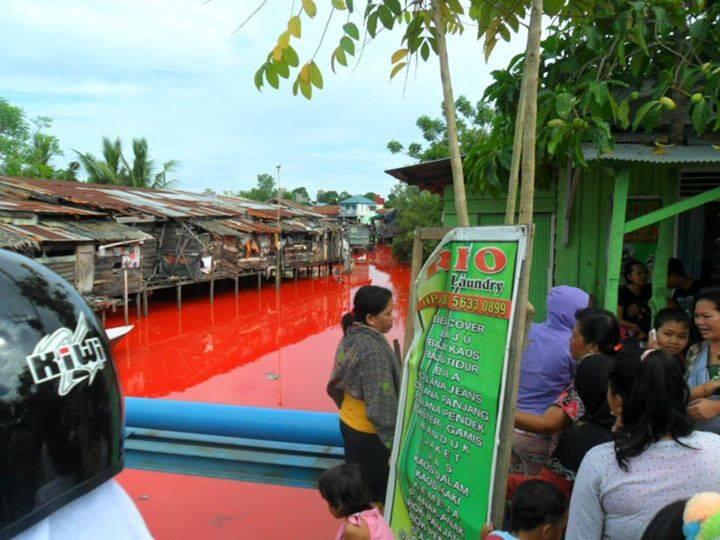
<point>358,208</point>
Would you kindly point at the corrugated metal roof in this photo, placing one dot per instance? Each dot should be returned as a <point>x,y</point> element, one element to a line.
<point>129,201</point>
<point>44,234</point>
<point>676,155</point>
<point>217,227</point>
<point>246,225</point>
<point>12,240</point>
<point>300,209</point>
<point>357,199</point>
<point>101,231</point>
<point>328,210</point>
<point>34,207</point>
<point>270,214</point>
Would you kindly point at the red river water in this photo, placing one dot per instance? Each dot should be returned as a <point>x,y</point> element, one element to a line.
<point>260,348</point>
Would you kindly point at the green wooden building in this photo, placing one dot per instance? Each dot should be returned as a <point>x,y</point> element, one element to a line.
<point>636,202</point>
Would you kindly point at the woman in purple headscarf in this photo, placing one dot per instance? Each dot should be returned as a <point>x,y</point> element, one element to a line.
<point>547,368</point>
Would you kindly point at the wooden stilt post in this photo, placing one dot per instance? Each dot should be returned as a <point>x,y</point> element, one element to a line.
<point>212,289</point>
<point>259,276</point>
<point>178,295</point>
<point>138,302</point>
<point>145,302</point>
<point>415,267</point>
<point>237,284</point>
<point>125,296</point>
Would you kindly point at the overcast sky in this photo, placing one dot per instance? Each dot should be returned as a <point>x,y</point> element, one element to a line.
<point>173,72</point>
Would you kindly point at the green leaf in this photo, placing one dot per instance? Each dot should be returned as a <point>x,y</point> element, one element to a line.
<point>350,5</point>
<point>556,139</point>
<point>394,6</point>
<point>642,112</point>
<point>282,69</point>
<point>623,113</point>
<point>553,7</point>
<point>563,104</point>
<point>347,45</point>
<point>621,53</point>
<point>272,76</point>
<point>372,22</point>
<point>341,58</point>
<point>386,17</point>
<point>296,86</point>
<point>295,26</point>
<point>701,115</point>
<point>309,7</point>
<point>290,57</point>
<point>352,30</point>
<point>662,20</point>
<point>638,33</point>
<point>339,4</point>
<point>306,89</point>
<point>425,51</point>
<point>316,76</point>
<point>594,39</point>
<point>259,77</point>
<point>397,69</point>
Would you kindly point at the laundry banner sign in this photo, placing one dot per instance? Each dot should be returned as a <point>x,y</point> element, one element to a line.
<point>443,462</point>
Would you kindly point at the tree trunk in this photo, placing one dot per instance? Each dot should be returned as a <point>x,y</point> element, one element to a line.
<point>516,154</point>
<point>524,310</point>
<point>449,106</point>
<point>532,68</point>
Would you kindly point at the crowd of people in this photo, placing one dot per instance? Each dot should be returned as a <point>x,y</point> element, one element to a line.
<point>635,430</point>
<point>618,420</point>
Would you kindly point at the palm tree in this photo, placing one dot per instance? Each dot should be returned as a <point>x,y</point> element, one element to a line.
<point>115,169</point>
<point>38,154</point>
<point>109,171</point>
<point>161,180</point>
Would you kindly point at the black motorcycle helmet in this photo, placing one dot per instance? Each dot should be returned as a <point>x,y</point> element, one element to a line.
<point>61,413</point>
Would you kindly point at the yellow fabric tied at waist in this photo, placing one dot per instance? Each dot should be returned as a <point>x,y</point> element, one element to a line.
<point>354,414</point>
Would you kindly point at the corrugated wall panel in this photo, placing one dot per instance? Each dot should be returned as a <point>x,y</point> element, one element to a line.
<point>542,262</point>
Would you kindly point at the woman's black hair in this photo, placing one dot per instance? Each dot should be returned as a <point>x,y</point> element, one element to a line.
<point>536,502</point>
<point>667,315</point>
<point>599,326</point>
<point>628,267</point>
<point>667,523</point>
<point>676,266</point>
<point>368,300</point>
<point>345,489</point>
<point>711,294</point>
<point>654,401</point>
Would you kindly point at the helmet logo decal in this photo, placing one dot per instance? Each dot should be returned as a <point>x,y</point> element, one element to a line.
<point>69,356</point>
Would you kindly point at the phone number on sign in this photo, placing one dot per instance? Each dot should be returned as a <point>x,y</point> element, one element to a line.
<point>492,307</point>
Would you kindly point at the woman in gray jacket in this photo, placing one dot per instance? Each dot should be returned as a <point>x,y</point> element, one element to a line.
<point>365,384</point>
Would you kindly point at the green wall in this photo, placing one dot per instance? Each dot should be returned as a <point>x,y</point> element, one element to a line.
<point>486,210</point>
<point>582,262</point>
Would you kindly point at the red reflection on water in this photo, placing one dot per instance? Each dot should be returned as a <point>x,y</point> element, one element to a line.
<point>177,507</point>
<point>258,349</point>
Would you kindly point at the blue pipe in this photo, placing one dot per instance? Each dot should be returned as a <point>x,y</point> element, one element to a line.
<point>287,425</point>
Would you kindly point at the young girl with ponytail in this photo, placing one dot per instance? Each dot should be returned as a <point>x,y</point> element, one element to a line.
<point>656,457</point>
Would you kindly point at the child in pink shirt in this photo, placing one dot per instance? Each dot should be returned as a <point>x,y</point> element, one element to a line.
<point>348,498</point>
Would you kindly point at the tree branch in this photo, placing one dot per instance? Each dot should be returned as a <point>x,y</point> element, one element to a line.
<point>249,17</point>
<point>324,32</point>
